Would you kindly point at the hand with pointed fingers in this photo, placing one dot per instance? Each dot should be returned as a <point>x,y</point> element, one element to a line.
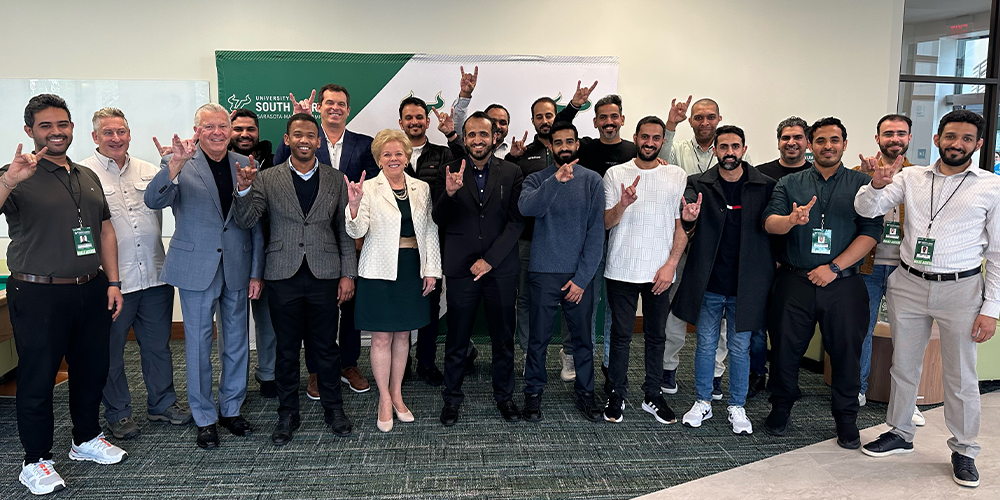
<point>882,174</point>
<point>446,121</point>
<point>245,175</point>
<point>690,211</point>
<point>303,106</point>
<point>565,172</point>
<point>678,111</point>
<point>800,215</point>
<point>468,82</point>
<point>356,191</point>
<point>23,166</point>
<point>163,150</point>
<point>582,94</point>
<point>629,194</point>
<point>453,181</point>
<point>517,148</point>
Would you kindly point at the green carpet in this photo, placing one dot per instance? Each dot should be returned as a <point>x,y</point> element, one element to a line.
<point>564,456</point>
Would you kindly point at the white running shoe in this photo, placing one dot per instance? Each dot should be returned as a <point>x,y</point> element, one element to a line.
<point>701,411</point>
<point>918,418</point>
<point>862,400</point>
<point>98,450</point>
<point>738,417</point>
<point>568,373</point>
<point>41,478</point>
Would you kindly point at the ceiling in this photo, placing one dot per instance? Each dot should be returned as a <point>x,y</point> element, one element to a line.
<point>918,11</point>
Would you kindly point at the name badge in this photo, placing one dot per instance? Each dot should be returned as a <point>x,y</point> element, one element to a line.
<point>892,233</point>
<point>924,252</point>
<point>821,239</point>
<point>83,239</point>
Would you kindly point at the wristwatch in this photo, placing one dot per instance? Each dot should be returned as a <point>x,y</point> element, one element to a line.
<point>835,268</point>
<point>115,283</point>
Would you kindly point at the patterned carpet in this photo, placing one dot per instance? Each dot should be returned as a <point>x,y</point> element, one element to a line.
<point>564,456</point>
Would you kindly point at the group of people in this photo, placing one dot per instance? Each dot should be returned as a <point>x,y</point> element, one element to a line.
<point>335,232</point>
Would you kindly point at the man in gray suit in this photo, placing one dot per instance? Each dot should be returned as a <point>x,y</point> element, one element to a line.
<point>310,268</point>
<point>211,260</point>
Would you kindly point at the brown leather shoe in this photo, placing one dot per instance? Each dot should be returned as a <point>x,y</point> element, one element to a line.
<point>312,390</point>
<point>352,376</point>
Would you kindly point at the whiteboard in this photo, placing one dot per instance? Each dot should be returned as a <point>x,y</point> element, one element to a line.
<point>152,107</point>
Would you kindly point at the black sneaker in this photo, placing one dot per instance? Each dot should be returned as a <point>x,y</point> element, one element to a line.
<point>588,407</point>
<point>431,375</point>
<point>758,382</point>
<point>848,436</point>
<point>717,388</point>
<point>669,384</point>
<point>776,423</point>
<point>614,409</point>
<point>532,407</point>
<point>964,470</point>
<point>449,414</point>
<point>887,444</point>
<point>608,387</point>
<point>659,409</point>
<point>509,411</point>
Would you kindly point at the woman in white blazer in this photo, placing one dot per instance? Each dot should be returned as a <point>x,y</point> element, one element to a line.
<point>399,266</point>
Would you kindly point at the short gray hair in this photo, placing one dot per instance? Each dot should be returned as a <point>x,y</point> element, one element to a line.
<point>108,112</point>
<point>210,107</point>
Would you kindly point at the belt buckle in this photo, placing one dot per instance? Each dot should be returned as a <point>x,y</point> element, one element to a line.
<point>84,278</point>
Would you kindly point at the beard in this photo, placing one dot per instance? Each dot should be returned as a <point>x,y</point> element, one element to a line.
<point>729,162</point>
<point>245,152</point>
<point>956,162</point>
<point>651,157</point>
<point>563,157</point>
<point>887,154</point>
<point>487,151</point>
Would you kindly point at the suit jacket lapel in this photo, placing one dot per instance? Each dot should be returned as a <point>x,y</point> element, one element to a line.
<point>287,186</point>
<point>232,173</point>
<point>491,181</point>
<point>325,195</point>
<point>386,191</point>
<point>346,151</point>
<point>200,162</point>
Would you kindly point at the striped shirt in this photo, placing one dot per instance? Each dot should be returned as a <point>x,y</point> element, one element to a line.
<point>965,230</point>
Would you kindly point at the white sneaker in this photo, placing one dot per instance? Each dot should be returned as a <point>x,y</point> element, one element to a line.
<point>701,411</point>
<point>41,478</point>
<point>738,417</point>
<point>98,450</point>
<point>918,418</point>
<point>568,373</point>
<point>862,400</point>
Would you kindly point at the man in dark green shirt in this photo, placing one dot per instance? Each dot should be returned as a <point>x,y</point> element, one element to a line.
<point>819,281</point>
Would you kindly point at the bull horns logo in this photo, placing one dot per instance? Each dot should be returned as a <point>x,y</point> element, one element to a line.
<point>437,104</point>
<point>560,107</point>
<point>235,103</point>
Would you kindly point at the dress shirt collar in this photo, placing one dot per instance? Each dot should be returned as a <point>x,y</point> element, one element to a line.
<point>107,162</point>
<point>306,175</point>
<point>815,171</point>
<point>936,169</point>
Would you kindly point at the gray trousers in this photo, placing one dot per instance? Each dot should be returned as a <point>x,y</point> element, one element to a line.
<point>677,330</point>
<point>914,304</point>
<point>267,341</point>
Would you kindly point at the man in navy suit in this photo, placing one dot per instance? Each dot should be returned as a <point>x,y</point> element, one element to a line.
<point>351,154</point>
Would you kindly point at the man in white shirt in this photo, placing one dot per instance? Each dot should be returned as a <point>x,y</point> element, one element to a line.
<point>953,224</point>
<point>149,302</point>
<point>499,114</point>
<point>642,210</point>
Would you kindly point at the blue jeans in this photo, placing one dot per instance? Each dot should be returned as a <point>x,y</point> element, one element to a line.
<point>758,352</point>
<point>876,283</point>
<point>709,320</point>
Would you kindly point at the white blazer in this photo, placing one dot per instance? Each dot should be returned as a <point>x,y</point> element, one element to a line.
<point>379,221</point>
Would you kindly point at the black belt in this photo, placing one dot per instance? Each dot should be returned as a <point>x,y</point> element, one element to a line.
<point>49,280</point>
<point>941,276</point>
<point>801,271</point>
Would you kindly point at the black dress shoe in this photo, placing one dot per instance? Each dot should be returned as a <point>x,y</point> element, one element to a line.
<point>208,437</point>
<point>758,381</point>
<point>285,429</point>
<point>776,423</point>
<point>268,388</point>
<point>509,411</point>
<point>338,422</point>
<point>470,361</point>
<point>237,425</point>
<point>848,436</point>
<point>449,415</point>
<point>532,407</point>
<point>431,375</point>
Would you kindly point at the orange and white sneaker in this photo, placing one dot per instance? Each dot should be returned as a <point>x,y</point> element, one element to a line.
<point>98,450</point>
<point>41,478</point>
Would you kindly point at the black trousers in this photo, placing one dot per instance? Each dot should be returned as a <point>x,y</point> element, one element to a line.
<point>464,295</point>
<point>350,339</point>
<point>623,300</point>
<point>841,309</point>
<point>546,297</point>
<point>304,307</point>
<point>50,322</point>
<point>427,336</point>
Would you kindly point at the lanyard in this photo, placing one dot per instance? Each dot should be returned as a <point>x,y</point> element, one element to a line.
<point>69,189</point>
<point>819,195</point>
<point>697,157</point>
<point>935,214</point>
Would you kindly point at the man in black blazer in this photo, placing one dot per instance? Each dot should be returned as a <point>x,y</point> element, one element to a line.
<point>350,153</point>
<point>478,213</point>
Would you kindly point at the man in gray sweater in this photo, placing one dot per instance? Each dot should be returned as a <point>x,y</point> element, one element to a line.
<point>568,206</point>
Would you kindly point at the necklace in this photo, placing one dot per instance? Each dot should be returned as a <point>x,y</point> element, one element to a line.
<point>401,194</point>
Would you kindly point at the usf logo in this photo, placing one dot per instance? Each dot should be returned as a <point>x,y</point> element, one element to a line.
<point>237,103</point>
<point>560,106</point>
<point>437,104</point>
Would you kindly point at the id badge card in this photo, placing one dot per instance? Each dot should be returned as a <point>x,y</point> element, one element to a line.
<point>892,233</point>
<point>83,240</point>
<point>924,252</point>
<point>821,239</point>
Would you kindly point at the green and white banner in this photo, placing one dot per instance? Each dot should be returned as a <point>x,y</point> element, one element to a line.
<point>261,81</point>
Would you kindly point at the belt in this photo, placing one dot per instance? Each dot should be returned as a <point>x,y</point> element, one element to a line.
<point>800,271</point>
<point>408,242</point>
<point>49,280</point>
<point>941,276</point>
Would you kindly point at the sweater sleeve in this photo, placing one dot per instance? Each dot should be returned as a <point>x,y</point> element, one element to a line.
<point>538,194</point>
<point>593,245</point>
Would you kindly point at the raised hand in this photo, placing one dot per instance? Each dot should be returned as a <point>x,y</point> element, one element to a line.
<point>800,215</point>
<point>565,172</point>
<point>678,110</point>
<point>468,83</point>
<point>882,174</point>
<point>303,106</point>
<point>356,191</point>
<point>453,181</point>
<point>869,163</point>
<point>163,150</point>
<point>23,166</point>
<point>446,121</point>
<point>480,268</point>
<point>628,193</point>
<point>574,293</point>
<point>582,94</point>
<point>690,211</point>
<point>517,147</point>
<point>245,175</point>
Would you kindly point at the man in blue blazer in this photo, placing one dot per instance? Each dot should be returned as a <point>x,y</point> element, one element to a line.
<point>351,154</point>
<point>210,260</point>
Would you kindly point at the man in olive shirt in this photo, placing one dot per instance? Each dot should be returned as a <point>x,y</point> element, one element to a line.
<point>61,303</point>
<point>819,280</point>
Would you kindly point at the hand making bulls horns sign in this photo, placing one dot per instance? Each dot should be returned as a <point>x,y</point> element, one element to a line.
<point>629,194</point>
<point>565,172</point>
<point>690,211</point>
<point>446,121</point>
<point>882,174</point>
<point>800,215</point>
<point>246,175</point>
<point>303,106</point>
<point>468,82</point>
<point>453,181</point>
<point>182,150</point>
<point>517,148</point>
<point>22,167</point>
<point>678,110</point>
<point>582,94</point>
<point>355,191</point>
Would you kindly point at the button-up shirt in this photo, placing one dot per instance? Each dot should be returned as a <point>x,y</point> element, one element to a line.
<point>335,149</point>
<point>137,227</point>
<point>41,215</point>
<point>689,155</point>
<point>460,110</point>
<point>288,163</point>
<point>835,199</point>
<point>482,175</point>
<point>966,229</point>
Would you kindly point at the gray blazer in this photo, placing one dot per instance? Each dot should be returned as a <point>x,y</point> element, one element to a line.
<point>320,236</point>
<point>203,235</point>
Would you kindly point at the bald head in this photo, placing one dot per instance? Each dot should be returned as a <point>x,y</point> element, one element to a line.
<point>705,117</point>
<point>706,102</point>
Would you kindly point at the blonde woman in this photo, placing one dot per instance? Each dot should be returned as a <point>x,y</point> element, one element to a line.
<point>399,266</point>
